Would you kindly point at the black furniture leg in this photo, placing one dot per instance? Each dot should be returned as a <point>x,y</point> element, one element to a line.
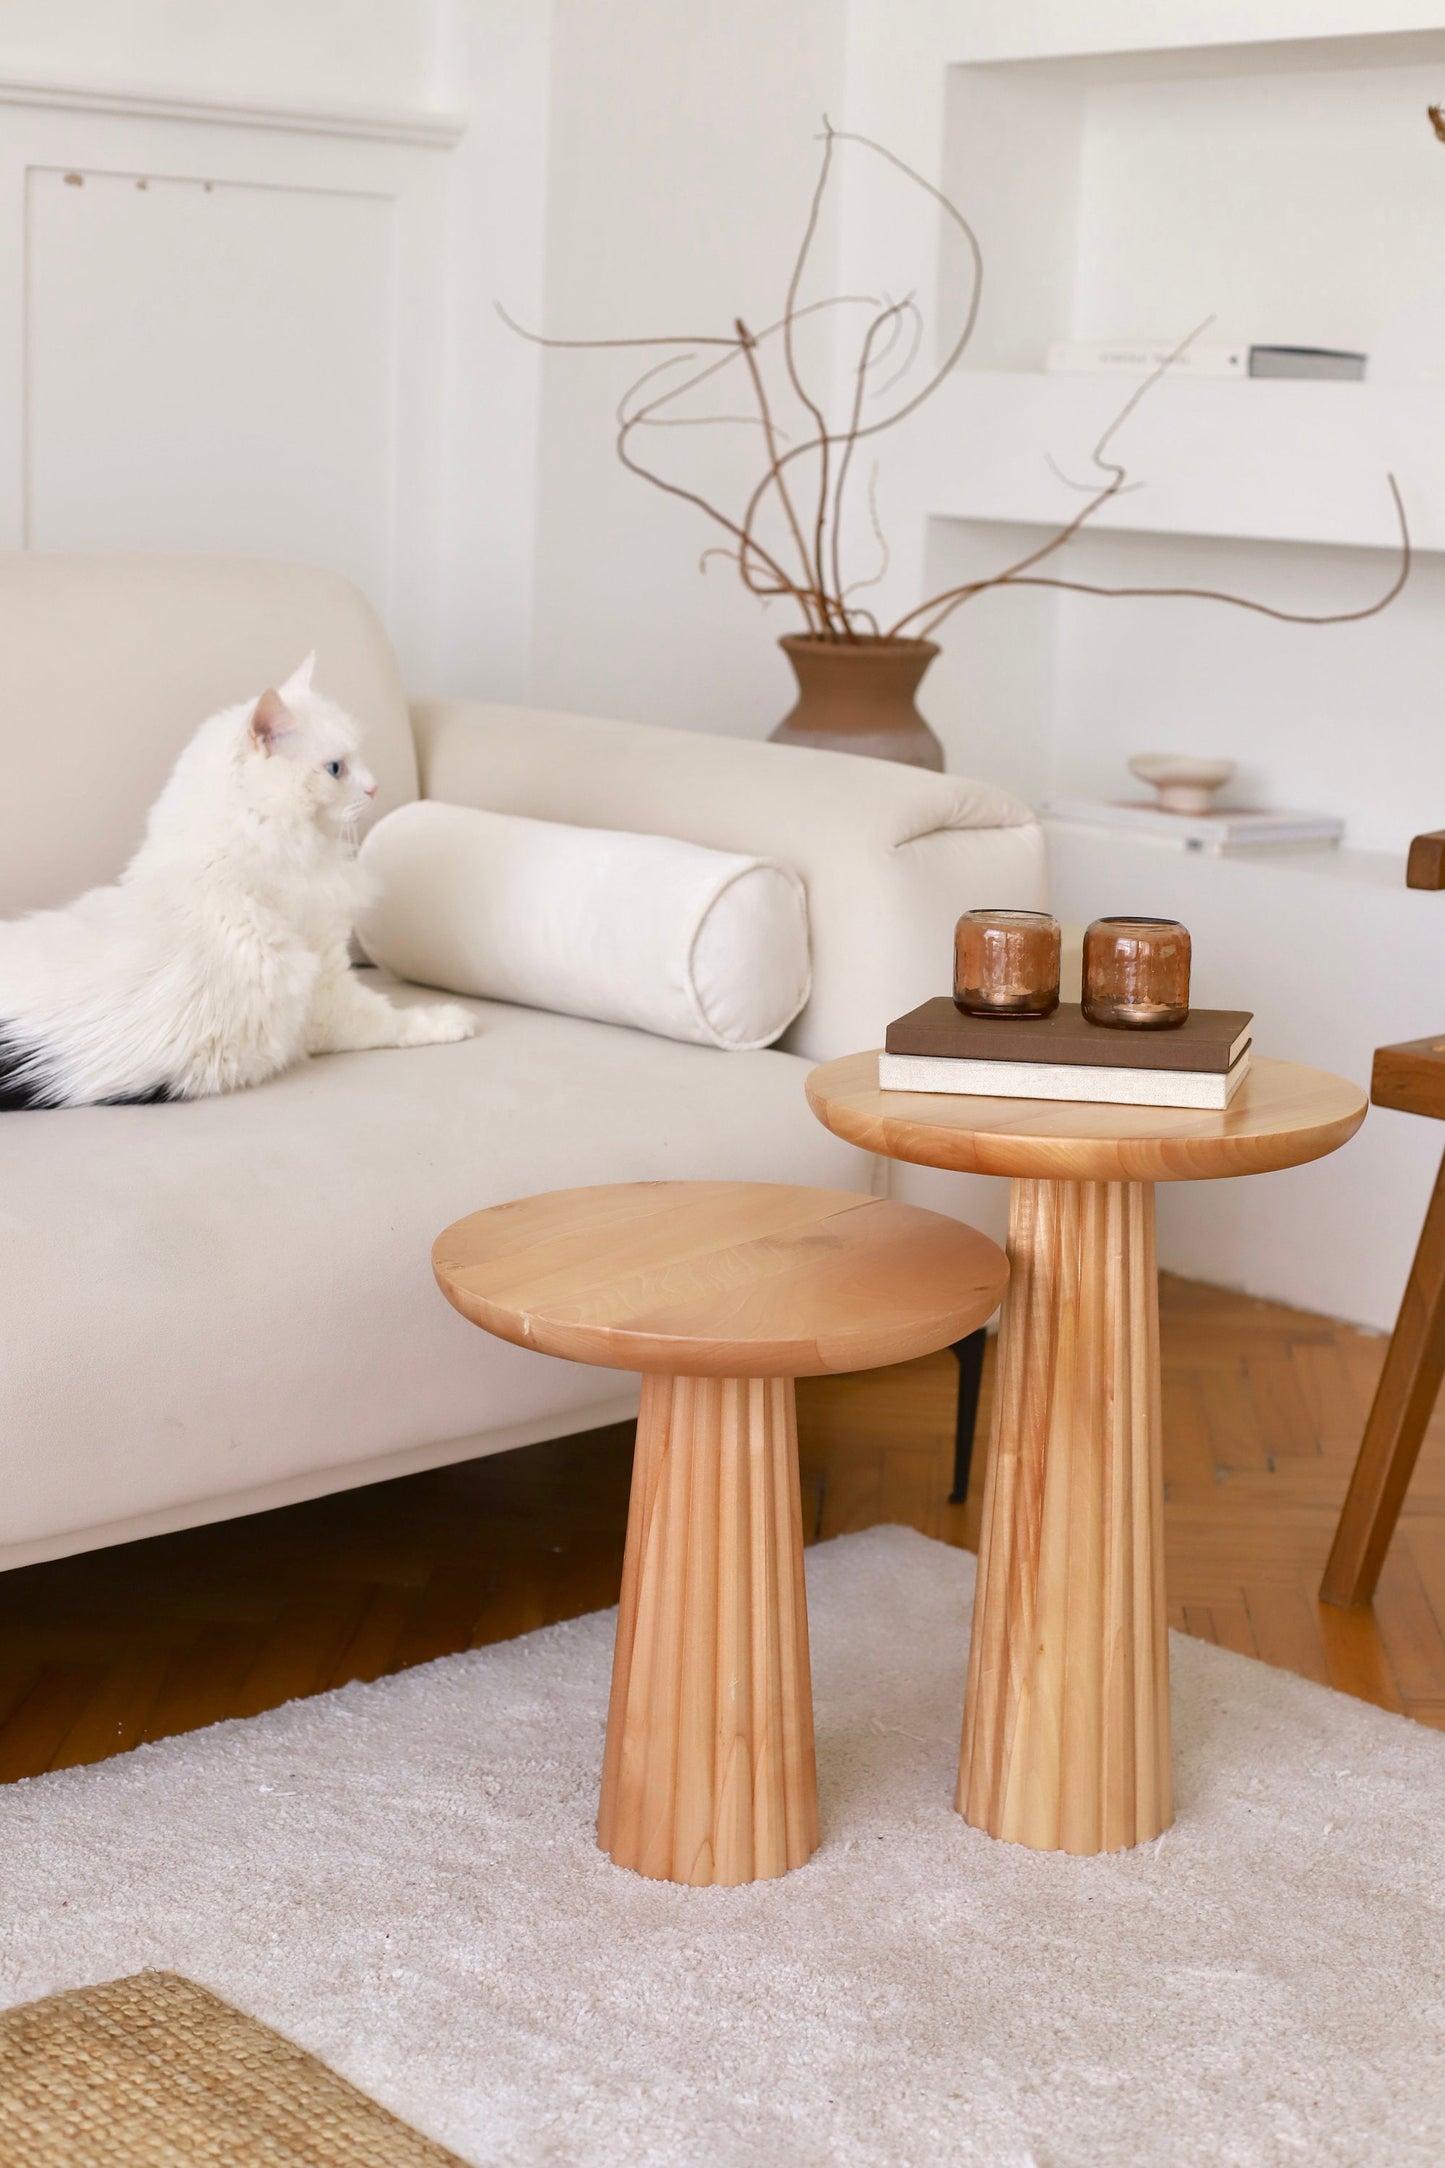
<point>970,1379</point>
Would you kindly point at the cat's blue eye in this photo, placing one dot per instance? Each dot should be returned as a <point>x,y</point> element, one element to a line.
<point>334,767</point>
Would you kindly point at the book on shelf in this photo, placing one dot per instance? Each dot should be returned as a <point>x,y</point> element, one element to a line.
<point>1228,828</point>
<point>1136,357</point>
<point>1201,1063</point>
<point>1320,363</point>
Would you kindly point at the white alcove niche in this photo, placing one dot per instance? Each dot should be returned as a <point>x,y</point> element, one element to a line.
<point>1294,191</point>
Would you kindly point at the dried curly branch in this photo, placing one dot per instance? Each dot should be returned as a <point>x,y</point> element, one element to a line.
<point>1020,573</point>
<point>790,360</point>
<point>801,496</point>
<point>1246,602</point>
<point>850,438</point>
<point>813,589</point>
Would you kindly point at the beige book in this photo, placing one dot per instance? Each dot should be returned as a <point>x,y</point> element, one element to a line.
<point>1202,1088</point>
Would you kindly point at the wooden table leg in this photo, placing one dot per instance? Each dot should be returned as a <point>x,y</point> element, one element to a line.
<point>1399,1414</point>
<point>1066,1723</point>
<point>709,1773</point>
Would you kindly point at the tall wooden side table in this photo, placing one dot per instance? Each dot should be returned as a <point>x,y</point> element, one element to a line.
<point>1066,1717</point>
<point>720,1293</point>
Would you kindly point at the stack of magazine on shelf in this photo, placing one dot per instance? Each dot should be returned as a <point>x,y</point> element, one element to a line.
<point>938,1048</point>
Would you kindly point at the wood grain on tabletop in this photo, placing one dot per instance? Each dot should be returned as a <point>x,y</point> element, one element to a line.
<point>720,1279</point>
<point>1281,1116</point>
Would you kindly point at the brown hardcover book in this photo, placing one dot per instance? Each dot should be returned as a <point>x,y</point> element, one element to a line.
<point>1207,1040</point>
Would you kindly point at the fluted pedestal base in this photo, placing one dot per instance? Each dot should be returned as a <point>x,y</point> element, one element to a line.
<point>1066,1723</point>
<point>709,1773</point>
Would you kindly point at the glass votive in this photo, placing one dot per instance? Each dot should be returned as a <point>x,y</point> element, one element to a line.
<point>1006,963</point>
<point>1136,973</point>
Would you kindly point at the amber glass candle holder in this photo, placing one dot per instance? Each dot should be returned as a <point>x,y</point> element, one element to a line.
<point>1136,973</point>
<point>1006,963</point>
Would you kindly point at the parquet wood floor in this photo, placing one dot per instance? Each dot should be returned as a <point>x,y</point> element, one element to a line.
<point>1263,1410</point>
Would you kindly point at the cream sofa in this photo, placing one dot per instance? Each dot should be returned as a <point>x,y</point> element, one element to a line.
<point>218,1307</point>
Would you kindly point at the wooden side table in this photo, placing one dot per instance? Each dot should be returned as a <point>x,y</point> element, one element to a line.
<point>720,1293</point>
<point>1066,1718</point>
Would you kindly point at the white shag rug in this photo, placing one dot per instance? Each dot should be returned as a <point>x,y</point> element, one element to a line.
<point>403,1877</point>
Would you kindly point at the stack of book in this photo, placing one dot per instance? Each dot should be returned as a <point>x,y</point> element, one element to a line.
<point>1223,832</point>
<point>1199,1063</point>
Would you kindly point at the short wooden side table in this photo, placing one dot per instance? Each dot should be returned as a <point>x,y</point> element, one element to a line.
<point>721,1294</point>
<point>1066,1717</point>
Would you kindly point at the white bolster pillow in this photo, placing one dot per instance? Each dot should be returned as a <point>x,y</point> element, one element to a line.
<point>680,941</point>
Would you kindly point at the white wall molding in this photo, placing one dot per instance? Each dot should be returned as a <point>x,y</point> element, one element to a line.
<point>439,108</point>
<point>79,410</point>
<point>415,126</point>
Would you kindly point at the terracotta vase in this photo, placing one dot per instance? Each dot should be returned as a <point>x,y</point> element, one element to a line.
<point>856,696</point>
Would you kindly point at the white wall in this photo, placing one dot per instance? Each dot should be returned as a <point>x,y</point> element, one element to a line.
<point>164,408</point>
<point>617,165</point>
<point>495,68</point>
<point>365,53</point>
<point>681,163</point>
<point>308,362</point>
<point>222,288</point>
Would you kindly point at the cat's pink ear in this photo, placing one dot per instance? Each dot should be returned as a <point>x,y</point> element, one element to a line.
<point>271,721</point>
<point>299,680</point>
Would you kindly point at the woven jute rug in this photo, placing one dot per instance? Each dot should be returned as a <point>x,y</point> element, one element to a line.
<point>156,2072</point>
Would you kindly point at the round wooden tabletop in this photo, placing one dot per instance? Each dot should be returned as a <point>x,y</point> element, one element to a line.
<point>720,1279</point>
<point>1281,1116</point>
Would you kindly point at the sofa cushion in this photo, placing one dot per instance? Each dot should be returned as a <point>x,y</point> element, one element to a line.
<point>209,1298</point>
<point>109,664</point>
<point>709,946</point>
<point>889,855</point>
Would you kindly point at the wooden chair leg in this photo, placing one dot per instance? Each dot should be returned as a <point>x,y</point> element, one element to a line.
<point>970,1353</point>
<point>1404,1399</point>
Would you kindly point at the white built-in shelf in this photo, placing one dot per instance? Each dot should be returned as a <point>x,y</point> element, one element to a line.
<point>1131,172</point>
<point>1164,45</point>
<point>1255,460</point>
<point>1334,863</point>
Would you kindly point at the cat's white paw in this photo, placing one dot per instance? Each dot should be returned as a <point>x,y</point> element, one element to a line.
<point>441,1025</point>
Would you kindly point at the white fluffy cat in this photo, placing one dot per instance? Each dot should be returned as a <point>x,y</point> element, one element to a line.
<point>221,955</point>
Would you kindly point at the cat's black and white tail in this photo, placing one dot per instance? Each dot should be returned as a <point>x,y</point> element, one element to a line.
<point>28,1082</point>
<point>23,1079</point>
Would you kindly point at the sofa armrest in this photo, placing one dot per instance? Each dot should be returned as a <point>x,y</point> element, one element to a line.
<point>889,855</point>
